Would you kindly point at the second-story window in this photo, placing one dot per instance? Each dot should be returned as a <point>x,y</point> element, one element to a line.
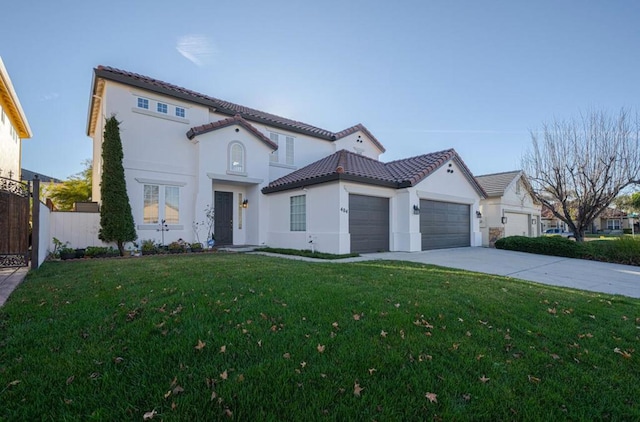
<point>162,108</point>
<point>180,112</point>
<point>285,152</point>
<point>143,103</point>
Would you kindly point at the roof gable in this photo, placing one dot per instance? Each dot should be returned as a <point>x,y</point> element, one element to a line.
<point>496,184</point>
<point>359,127</point>
<point>235,120</point>
<point>215,104</point>
<point>346,165</point>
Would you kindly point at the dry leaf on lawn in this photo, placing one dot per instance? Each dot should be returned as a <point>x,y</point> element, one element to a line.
<point>357,389</point>
<point>432,397</point>
<point>200,345</point>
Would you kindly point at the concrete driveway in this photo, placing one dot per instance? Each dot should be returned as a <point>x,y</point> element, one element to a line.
<point>565,272</point>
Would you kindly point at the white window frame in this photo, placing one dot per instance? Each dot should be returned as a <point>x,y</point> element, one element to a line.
<point>161,202</point>
<point>143,103</point>
<point>180,112</point>
<point>287,144</point>
<point>240,168</point>
<point>298,213</point>
<point>162,108</point>
<point>614,224</point>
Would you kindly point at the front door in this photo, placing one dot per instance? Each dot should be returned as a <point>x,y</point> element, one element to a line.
<point>223,218</point>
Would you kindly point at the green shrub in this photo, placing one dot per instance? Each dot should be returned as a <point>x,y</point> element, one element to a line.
<point>546,245</point>
<point>623,250</point>
<point>149,247</point>
<point>101,252</point>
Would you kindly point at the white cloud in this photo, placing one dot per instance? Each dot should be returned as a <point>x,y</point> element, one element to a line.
<point>198,49</point>
<point>49,96</point>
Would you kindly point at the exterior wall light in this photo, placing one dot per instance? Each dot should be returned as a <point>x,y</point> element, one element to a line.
<point>478,214</point>
<point>245,203</point>
<point>416,209</point>
<point>504,220</point>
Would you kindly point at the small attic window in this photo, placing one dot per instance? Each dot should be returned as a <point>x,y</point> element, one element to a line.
<point>518,188</point>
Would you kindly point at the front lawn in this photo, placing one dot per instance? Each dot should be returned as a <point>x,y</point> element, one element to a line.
<point>248,337</point>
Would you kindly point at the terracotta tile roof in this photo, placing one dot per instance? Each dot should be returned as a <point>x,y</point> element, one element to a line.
<point>612,213</point>
<point>224,107</point>
<point>235,120</point>
<point>495,184</point>
<point>345,165</point>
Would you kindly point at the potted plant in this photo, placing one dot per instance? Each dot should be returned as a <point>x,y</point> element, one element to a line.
<point>67,252</point>
<point>176,247</point>
<point>149,247</point>
<point>196,247</point>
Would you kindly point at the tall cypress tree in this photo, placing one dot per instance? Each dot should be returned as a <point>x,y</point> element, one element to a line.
<point>116,221</point>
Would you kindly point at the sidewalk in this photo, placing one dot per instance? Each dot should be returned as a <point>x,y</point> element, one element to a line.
<point>9,280</point>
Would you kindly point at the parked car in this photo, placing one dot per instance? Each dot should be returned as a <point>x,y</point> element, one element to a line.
<point>559,232</point>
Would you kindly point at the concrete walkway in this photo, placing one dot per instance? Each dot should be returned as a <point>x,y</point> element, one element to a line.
<point>565,272</point>
<point>9,280</point>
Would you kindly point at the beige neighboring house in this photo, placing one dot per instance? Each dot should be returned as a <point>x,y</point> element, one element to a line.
<point>509,209</point>
<point>609,221</point>
<point>13,128</point>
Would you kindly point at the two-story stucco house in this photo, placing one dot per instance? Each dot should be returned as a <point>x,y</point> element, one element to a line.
<point>509,209</point>
<point>272,180</point>
<point>13,128</point>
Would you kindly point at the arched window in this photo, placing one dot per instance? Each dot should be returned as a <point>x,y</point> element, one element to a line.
<point>236,158</point>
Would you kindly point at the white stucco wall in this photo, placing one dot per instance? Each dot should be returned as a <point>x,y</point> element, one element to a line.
<point>358,143</point>
<point>9,147</point>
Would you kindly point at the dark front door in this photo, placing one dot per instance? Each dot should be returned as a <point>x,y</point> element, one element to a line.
<point>223,218</point>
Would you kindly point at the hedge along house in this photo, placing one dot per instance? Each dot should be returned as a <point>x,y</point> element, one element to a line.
<point>272,180</point>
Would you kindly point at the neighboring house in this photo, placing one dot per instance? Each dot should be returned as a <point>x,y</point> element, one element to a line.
<point>610,220</point>
<point>13,128</point>
<point>272,180</point>
<point>509,209</point>
<point>613,220</point>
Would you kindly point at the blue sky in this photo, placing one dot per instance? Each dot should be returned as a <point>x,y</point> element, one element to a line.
<point>422,76</point>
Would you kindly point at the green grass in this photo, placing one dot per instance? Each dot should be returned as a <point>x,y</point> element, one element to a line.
<point>114,339</point>
<point>307,253</point>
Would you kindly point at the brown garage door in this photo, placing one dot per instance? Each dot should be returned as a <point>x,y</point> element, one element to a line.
<point>444,225</point>
<point>368,223</point>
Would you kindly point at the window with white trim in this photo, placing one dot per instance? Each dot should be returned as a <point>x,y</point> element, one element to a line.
<point>161,108</point>
<point>236,157</point>
<point>298,213</point>
<point>143,103</point>
<point>161,202</point>
<point>285,143</point>
<point>180,112</point>
<point>614,224</point>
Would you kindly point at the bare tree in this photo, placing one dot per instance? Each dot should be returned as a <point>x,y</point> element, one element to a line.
<point>577,167</point>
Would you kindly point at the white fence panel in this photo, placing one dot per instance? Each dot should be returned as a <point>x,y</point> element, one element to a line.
<point>79,229</point>
<point>44,239</point>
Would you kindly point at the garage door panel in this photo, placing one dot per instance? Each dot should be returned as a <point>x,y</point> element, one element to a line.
<point>368,223</point>
<point>517,224</point>
<point>444,225</point>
